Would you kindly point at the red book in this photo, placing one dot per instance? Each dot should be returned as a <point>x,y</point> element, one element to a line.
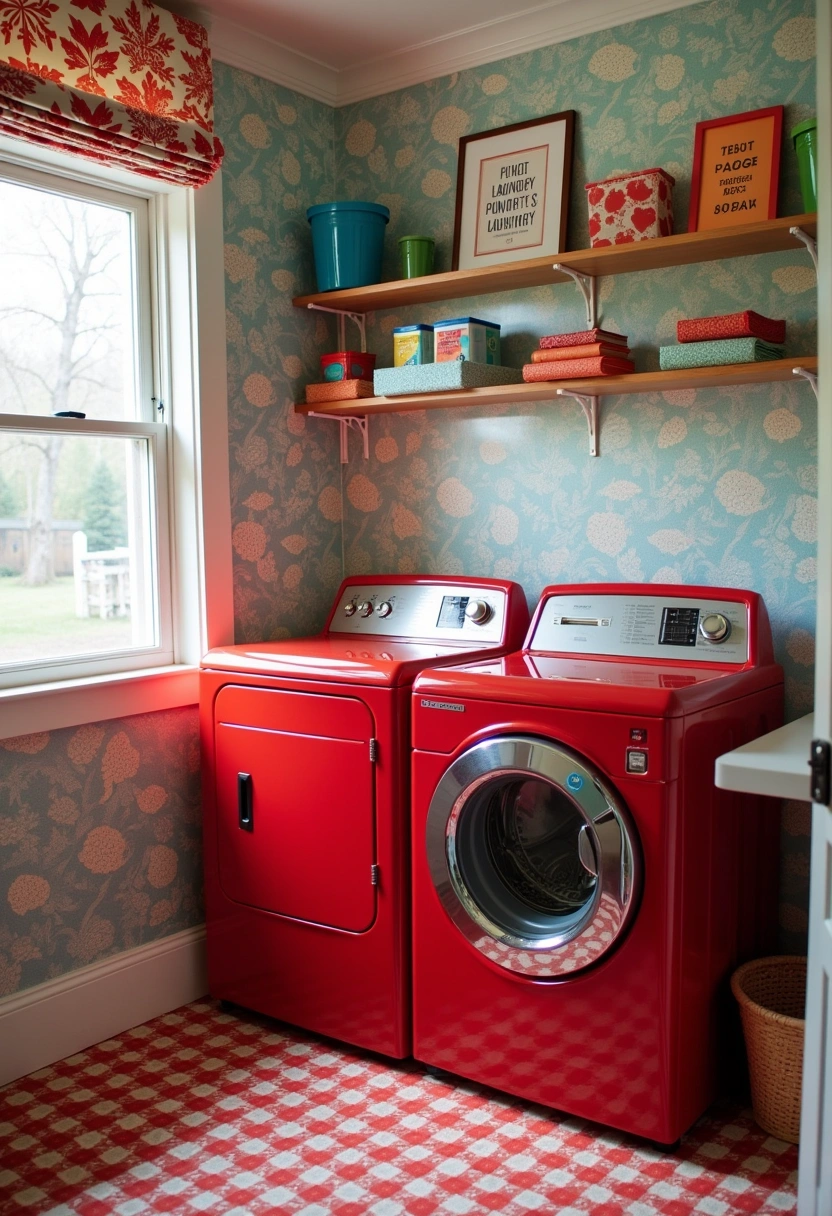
<point>746,324</point>
<point>576,369</point>
<point>591,351</point>
<point>583,337</point>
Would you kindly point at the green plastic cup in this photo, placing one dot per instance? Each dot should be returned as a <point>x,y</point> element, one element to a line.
<point>417,256</point>
<point>805,140</point>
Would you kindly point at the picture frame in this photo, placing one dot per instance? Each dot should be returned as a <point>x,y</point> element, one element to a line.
<point>512,192</point>
<point>736,169</point>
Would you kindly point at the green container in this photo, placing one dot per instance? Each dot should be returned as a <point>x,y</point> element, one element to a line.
<point>417,256</point>
<point>805,140</point>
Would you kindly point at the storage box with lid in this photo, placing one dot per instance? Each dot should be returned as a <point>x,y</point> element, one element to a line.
<point>466,338</point>
<point>630,207</point>
<point>412,345</point>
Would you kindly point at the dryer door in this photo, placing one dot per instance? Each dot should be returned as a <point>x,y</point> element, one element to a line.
<point>533,855</point>
<point>295,805</point>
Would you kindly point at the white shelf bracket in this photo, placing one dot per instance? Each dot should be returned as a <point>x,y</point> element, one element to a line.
<point>589,405</point>
<point>809,241</point>
<point>807,375</point>
<point>356,421</point>
<point>586,285</point>
<point>357,318</point>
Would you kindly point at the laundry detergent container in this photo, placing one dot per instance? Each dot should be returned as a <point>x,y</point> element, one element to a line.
<point>348,242</point>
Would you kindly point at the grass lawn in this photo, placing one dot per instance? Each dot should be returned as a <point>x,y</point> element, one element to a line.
<point>40,622</point>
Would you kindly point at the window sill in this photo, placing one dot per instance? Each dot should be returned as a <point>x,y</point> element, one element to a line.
<point>44,707</point>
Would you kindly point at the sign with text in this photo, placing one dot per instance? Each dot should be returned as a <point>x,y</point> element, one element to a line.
<point>736,169</point>
<point>511,204</point>
<point>512,192</point>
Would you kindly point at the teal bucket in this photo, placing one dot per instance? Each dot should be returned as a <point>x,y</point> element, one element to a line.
<point>348,243</point>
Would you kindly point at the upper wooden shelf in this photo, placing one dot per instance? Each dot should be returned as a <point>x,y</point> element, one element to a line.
<point>635,382</point>
<point>764,236</point>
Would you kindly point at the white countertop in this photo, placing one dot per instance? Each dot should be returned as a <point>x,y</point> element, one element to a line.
<point>775,764</point>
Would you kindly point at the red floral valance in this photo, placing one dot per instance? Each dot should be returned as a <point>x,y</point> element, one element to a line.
<point>120,81</point>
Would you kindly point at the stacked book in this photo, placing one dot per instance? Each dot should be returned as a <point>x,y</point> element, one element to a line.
<point>737,337</point>
<point>579,356</point>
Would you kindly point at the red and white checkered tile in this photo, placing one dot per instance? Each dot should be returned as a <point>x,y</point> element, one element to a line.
<point>203,1111</point>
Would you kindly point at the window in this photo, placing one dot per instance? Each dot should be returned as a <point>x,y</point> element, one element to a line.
<point>84,527</point>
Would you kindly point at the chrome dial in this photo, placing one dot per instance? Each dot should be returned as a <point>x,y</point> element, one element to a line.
<point>384,608</point>
<point>715,627</point>
<point>365,609</point>
<point>478,611</point>
<point>350,608</point>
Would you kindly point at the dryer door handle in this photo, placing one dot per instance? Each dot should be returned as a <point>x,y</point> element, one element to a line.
<point>245,802</point>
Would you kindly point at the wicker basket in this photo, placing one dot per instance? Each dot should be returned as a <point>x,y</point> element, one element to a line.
<point>771,993</point>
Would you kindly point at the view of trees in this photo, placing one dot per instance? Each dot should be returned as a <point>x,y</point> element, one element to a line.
<point>65,344</point>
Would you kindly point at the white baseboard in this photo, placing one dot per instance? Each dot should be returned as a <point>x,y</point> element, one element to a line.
<point>63,1016</point>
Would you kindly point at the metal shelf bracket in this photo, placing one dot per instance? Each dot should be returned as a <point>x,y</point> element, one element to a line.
<point>357,421</point>
<point>809,241</point>
<point>587,287</point>
<point>357,318</point>
<point>807,375</point>
<point>589,405</point>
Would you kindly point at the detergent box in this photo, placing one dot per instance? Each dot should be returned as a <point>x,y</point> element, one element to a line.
<point>466,339</point>
<point>412,344</point>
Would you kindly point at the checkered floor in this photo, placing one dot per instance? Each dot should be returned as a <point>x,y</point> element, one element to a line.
<point>201,1111</point>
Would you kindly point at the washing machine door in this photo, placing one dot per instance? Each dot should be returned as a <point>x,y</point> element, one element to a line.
<point>533,855</point>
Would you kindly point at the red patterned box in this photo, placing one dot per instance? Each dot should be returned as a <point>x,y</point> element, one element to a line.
<point>630,207</point>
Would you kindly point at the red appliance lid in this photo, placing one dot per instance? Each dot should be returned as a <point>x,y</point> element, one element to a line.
<point>343,659</point>
<point>604,685</point>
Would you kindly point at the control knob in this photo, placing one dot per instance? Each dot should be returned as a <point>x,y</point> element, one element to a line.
<point>365,609</point>
<point>478,611</point>
<point>384,608</point>
<point>350,608</point>
<point>715,627</point>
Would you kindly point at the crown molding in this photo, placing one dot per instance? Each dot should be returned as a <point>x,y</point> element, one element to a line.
<point>243,48</point>
<point>550,23</point>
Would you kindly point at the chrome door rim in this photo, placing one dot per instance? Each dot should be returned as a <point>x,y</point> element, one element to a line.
<point>607,914</point>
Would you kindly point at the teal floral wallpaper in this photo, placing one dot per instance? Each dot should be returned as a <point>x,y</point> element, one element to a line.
<point>99,826</point>
<point>710,487</point>
<point>285,475</point>
<point>100,842</point>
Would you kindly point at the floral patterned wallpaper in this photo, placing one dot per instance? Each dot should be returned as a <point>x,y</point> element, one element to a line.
<point>99,826</point>
<point>710,487</point>
<point>285,475</point>
<point>100,843</point>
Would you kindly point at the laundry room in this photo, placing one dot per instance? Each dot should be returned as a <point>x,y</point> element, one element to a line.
<point>302,554</point>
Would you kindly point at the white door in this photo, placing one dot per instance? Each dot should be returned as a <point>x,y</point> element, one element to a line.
<point>815,1176</point>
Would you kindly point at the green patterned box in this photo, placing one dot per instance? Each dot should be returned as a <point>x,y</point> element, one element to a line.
<point>717,353</point>
<point>441,378</point>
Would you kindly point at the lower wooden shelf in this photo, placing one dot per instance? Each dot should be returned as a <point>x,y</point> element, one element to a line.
<point>637,382</point>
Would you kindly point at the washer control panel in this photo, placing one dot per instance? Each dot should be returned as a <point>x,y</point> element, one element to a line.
<point>446,613</point>
<point>644,627</point>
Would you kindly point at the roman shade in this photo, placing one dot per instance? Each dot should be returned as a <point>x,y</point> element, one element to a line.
<point>120,81</point>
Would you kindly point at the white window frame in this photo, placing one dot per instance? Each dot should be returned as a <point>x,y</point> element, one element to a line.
<point>188,314</point>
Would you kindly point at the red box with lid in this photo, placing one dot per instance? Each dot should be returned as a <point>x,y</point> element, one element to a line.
<point>630,207</point>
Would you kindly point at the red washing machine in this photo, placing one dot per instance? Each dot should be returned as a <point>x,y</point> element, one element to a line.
<point>306,760</point>
<point>582,889</point>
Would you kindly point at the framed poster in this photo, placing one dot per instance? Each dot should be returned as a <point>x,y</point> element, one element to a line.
<point>512,192</point>
<point>736,169</point>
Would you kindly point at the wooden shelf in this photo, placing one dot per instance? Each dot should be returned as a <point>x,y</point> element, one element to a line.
<point>504,394</point>
<point>684,249</point>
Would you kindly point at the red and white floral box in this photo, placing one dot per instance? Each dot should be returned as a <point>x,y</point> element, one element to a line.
<point>630,207</point>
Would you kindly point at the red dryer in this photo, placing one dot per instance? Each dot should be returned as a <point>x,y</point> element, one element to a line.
<point>582,890</point>
<point>306,759</point>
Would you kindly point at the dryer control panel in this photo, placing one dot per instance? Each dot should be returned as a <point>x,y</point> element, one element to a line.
<point>644,627</point>
<point>441,613</point>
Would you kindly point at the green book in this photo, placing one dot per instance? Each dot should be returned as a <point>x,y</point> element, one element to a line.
<point>716,353</point>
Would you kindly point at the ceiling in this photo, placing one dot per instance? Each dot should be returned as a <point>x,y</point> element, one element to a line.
<point>341,51</point>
